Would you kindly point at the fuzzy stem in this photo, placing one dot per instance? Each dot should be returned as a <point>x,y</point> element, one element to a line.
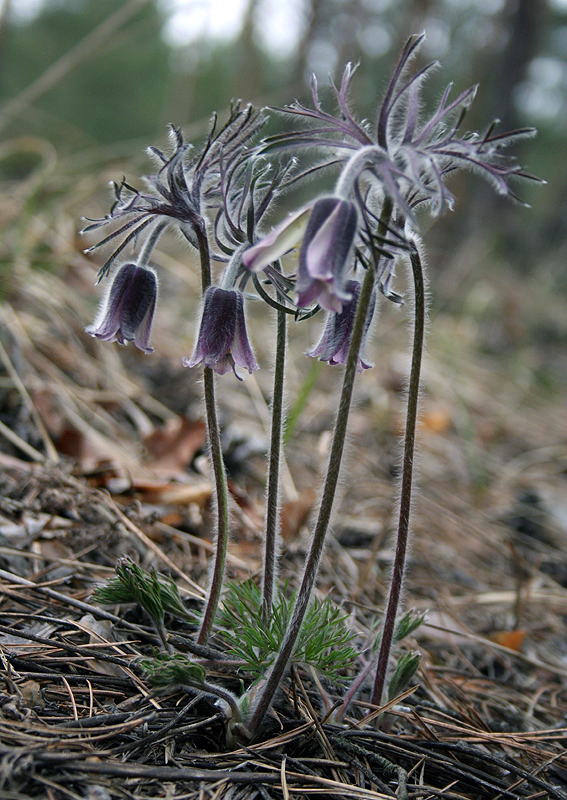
<point>365,158</point>
<point>355,686</point>
<point>150,243</point>
<point>215,454</point>
<point>271,529</point>
<point>398,569</point>
<point>327,498</point>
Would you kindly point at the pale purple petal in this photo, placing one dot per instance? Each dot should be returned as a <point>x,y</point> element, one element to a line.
<point>325,255</point>
<point>278,242</point>
<point>241,350</point>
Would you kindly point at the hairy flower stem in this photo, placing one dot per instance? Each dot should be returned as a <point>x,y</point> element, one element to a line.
<point>327,498</point>
<point>150,243</point>
<point>398,569</point>
<point>219,473</point>
<point>271,529</point>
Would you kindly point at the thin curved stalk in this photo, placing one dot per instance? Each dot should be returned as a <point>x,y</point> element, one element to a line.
<point>271,528</point>
<point>150,243</point>
<point>327,499</point>
<point>398,569</point>
<point>219,472</point>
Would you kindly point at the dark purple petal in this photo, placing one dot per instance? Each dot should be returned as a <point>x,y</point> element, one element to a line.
<point>216,330</point>
<point>142,335</point>
<point>129,310</point>
<point>222,342</point>
<point>334,343</point>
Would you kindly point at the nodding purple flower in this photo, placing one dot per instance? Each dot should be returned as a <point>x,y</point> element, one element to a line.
<point>335,341</point>
<point>222,343</point>
<point>324,256</point>
<point>128,312</point>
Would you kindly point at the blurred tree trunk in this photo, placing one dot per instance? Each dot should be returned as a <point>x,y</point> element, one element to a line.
<point>331,23</point>
<point>248,82</point>
<point>318,15</point>
<point>526,22</point>
<point>4,8</point>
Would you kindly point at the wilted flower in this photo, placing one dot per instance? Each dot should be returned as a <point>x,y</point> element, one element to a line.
<point>128,312</point>
<point>222,343</point>
<point>335,341</point>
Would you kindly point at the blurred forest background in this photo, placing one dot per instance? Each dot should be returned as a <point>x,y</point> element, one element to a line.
<point>86,85</point>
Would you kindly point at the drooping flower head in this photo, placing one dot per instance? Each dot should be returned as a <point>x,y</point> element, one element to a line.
<point>128,312</point>
<point>334,343</point>
<point>222,343</point>
<point>325,254</point>
<point>326,230</point>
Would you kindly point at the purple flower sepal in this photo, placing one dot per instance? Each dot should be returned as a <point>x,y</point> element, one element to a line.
<point>335,341</point>
<point>324,256</point>
<point>128,312</point>
<point>283,238</point>
<point>222,343</point>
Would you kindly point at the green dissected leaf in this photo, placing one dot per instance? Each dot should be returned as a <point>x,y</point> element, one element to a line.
<point>409,623</point>
<point>404,672</point>
<point>153,592</point>
<point>324,640</point>
<point>169,670</point>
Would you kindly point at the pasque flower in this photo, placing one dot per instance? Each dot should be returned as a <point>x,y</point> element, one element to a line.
<point>334,343</point>
<point>410,154</point>
<point>222,343</point>
<point>324,256</point>
<point>326,230</point>
<point>187,184</point>
<point>128,312</point>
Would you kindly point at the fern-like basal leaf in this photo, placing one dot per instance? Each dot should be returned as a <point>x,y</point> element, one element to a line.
<point>113,593</point>
<point>169,670</point>
<point>404,672</point>
<point>324,640</point>
<point>409,623</point>
<point>155,593</point>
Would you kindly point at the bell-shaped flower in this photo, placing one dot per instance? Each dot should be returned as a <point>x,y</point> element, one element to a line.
<point>334,343</point>
<point>325,254</point>
<point>222,343</point>
<point>283,238</point>
<point>128,312</point>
